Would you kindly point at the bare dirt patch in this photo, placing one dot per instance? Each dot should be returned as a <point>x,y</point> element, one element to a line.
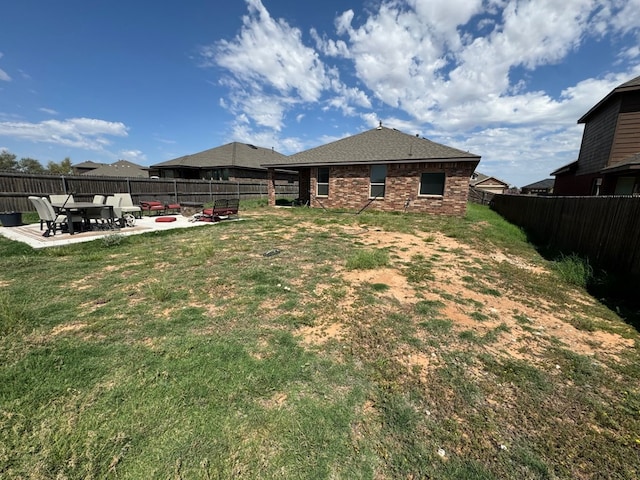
<point>318,335</point>
<point>471,309</point>
<point>67,327</point>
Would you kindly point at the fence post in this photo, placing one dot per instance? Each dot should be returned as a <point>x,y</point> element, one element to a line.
<point>175,189</point>
<point>64,184</point>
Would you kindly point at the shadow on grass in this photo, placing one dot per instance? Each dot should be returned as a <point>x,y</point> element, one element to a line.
<point>619,293</point>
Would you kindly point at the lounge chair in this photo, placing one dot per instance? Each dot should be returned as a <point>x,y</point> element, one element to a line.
<point>152,206</point>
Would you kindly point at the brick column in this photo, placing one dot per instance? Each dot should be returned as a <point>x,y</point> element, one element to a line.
<point>271,187</point>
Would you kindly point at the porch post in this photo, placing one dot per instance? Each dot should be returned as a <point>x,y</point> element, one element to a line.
<point>271,187</point>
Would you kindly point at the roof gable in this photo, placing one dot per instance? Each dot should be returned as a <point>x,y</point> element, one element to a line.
<point>490,181</point>
<point>233,154</point>
<point>630,86</point>
<point>380,144</point>
<point>481,179</point>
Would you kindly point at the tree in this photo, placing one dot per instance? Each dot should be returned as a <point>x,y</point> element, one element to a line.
<point>8,161</point>
<point>62,168</point>
<point>30,165</point>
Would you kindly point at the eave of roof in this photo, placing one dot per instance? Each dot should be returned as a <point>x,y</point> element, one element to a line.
<point>372,162</point>
<point>565,168</point>
<point>632,163</point>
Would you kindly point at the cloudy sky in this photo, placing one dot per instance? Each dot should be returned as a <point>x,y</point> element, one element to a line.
<point>151,81</point>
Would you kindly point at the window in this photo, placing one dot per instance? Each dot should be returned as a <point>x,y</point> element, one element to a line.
<point>378,177</point>
<point>323,182</point>
<point>432,184</point>
<point>624,186</point>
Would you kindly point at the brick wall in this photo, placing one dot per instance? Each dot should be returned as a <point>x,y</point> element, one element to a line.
<point>349,188</point>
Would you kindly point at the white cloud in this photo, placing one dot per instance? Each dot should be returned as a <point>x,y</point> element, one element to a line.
<point>268,59</point>
<point>4,76</point>
<point>133,155</point>
<point>50,111</point>
<point>455,69</point>
<point>87,133</point>
<point>626,18</point>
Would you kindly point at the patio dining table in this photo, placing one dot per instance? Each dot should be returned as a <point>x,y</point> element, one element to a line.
<point>87,210</point>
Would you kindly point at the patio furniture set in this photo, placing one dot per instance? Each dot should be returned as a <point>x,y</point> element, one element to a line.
<point>62,213</point>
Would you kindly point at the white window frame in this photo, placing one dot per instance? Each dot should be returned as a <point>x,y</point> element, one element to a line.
<point>318,183</point>
<point>382,184</point>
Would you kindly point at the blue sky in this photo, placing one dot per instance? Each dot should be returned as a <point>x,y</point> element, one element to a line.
<point>150,81</point>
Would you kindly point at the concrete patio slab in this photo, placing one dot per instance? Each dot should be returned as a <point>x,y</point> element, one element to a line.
<point>32,235</point>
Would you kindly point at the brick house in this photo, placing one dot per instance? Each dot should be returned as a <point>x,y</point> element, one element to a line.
<point>609,158</point>
<point>382,169</point>
<point>236,162</point>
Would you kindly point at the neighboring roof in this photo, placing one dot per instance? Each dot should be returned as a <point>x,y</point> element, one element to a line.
<point>631,163</point>
<point>481,178</point>
<point>630,86</point>
<point>88,164</point>
<point>565,168</point>
<point>380,144</point>
<point>233,154</point>
<point>545,184</point>
<point>121,168</point>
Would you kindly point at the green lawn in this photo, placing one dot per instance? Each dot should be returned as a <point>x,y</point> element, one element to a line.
<point>191,354</point>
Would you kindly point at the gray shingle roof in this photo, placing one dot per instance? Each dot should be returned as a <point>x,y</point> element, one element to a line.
<point>233,154</point>
<point>88,164</point>
<point>380,144</point>
<point>546,183</point>
<point>121,168</point>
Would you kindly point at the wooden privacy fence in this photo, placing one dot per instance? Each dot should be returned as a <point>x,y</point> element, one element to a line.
<point>606,230</point>
<point>16,187</point>
<point>482,197</point>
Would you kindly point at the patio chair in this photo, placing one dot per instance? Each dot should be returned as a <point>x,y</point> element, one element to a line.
<point>98,199</point>
<point>60,199</point>
<point>128,206</point>
<point>48,215</point>
<point>116,203</point>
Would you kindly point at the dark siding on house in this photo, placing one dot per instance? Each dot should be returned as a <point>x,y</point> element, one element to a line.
<point>597,140</point>
<point>627,140</point>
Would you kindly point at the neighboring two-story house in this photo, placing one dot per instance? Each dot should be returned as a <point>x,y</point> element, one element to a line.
<point>609,158</point>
